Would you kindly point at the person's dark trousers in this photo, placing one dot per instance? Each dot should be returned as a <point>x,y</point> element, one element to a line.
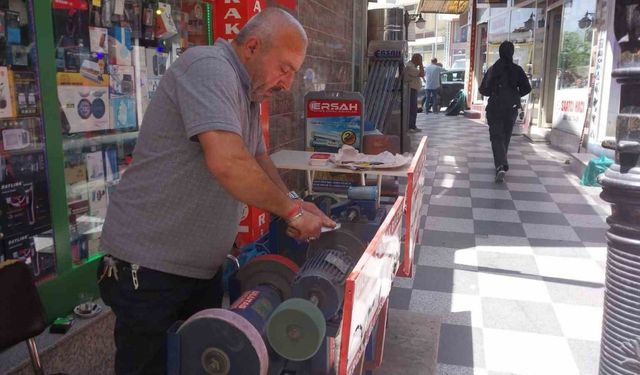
<point>500,129</point>
<point>413,108</point>
<point>144,314</point>
<point>432,100</point>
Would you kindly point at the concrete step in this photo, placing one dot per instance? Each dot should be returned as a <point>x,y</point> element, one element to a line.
<point>473,114</point>
<point>579,162</point>
<point>411,344</point>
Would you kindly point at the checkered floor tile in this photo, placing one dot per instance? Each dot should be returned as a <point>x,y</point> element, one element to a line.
<point>515,270</point>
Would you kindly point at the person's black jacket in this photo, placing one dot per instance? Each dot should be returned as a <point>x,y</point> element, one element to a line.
<point>504,65</point>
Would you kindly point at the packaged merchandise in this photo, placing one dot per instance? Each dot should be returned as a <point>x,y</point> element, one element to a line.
<point>84,102</point>
<point>142,93</point>
<point>157,63</point>
<point>71,35</point>
<point>6,93</point>
<point>112,172</point>
<point>12,27</point>
<point>79,249</point>
<point>25,206</point>
<point>152,87</point>
<point>77,209</point>
<point>120,47</point>
<point>27,95</point>
<point>99,39</point>
<point>23,167</point>
<point>123,97</point>
<point>95,166</point>
<point>165,27</point>
<point>35,250</point>
<point>97,199</point>
<point>21,134</point>
<point>18,55</point>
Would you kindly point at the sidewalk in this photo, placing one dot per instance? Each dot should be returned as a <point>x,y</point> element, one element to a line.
<point>516,270</point>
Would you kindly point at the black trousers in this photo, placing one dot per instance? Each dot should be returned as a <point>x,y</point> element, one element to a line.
<point>144,315</point>
<point>413,108</point>
<point>501,124</point>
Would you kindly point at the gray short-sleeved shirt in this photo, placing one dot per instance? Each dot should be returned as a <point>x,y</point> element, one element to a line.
<point>169,213</point>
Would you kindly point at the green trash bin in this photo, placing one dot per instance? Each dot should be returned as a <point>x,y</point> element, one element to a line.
<point>596,167</point>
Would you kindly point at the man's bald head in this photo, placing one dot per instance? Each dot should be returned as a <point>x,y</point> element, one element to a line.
<point>269,25</point>
<point>272,47</point>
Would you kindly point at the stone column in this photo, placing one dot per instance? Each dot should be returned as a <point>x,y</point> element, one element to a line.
<point>620,348</point>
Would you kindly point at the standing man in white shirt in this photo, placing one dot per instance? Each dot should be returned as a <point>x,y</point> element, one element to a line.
<point>432,74</point>
<point>413,73</point>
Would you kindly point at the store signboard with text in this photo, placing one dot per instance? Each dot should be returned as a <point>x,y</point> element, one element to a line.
<point>332,120</point>
<point>570,109</point>
<point>367,289</point>
<point>229,16</point>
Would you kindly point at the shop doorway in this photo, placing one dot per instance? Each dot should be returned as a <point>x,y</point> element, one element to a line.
<point>480,60</point>
<point>552,50</point>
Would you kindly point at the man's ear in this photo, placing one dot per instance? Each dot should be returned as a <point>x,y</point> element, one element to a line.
<point>252,45</point>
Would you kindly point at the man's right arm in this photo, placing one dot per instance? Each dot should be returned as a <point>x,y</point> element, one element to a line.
<point>241,176</point>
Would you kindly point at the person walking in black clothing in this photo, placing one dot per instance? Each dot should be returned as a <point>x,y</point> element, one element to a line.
<point>504,83</point>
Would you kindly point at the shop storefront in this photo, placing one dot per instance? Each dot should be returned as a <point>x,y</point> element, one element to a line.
<point>564,47</point>
<point>72,100</point>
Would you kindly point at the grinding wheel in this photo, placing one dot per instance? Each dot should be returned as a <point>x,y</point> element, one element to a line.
<point>339,239</point>
<point>274,270</point>
<point>220,342</point>
<point>296,329</point>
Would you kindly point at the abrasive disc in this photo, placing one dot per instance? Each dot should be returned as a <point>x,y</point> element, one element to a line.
<point>220,342</point>
<point>296,329</point>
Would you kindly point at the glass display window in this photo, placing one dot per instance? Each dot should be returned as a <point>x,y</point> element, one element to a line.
<point>574,64</point>
<point>576,40</point>
<point>110,60</point>
<point>499,27</point>
<point>25,214</point>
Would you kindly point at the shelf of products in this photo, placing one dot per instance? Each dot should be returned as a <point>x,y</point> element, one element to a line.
<point>110,56</point>
<point>25,216</point>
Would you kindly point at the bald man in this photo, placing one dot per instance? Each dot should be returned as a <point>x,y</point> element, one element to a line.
<point>200,155</point>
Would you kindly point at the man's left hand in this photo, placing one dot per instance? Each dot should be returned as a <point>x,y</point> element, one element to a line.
<point>313,209</point>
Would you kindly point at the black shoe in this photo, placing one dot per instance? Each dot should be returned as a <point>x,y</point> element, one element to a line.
<point>500,172</point>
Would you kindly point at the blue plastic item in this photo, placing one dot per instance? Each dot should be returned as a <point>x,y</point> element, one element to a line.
<point>596,167</point>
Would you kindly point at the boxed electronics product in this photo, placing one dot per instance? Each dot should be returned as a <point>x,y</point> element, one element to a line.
<point>95,166</point>
<point>12,27</point>
<point>254,224</point>
<point>112,172</point>
<point>23,167</point>
<point>84,103</point>
<point>27,95</point>
<point>39,257</point>
<point>6,93</point>
<point>21,134</point>
<point>77,210</point>
<point>99,39</point>
<point>120,47</point>
<point>123,97</point>
<point>157,63</point>
<point>24,205</point>
<point>165,27</point>
<point>142,93</point>
<point>71,34</point>
<point>18,55</point>
<point>79,249</point>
